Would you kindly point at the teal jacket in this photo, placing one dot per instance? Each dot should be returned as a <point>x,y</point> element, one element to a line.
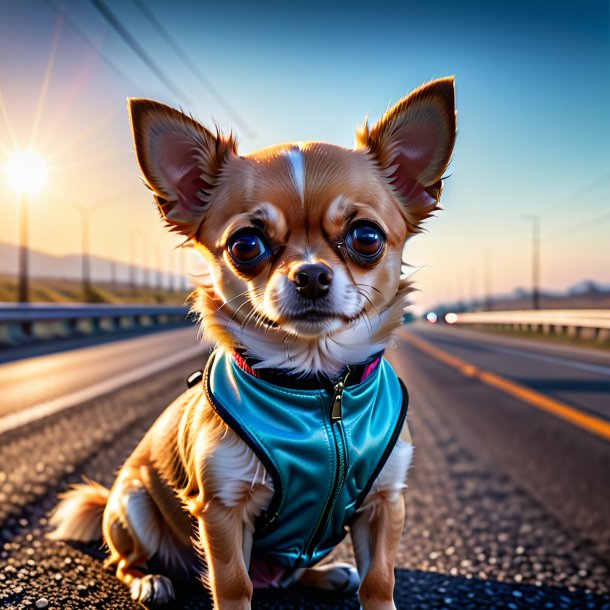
<point>322,447</point>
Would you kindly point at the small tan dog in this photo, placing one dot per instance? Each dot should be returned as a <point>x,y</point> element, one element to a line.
<point>304,243</point>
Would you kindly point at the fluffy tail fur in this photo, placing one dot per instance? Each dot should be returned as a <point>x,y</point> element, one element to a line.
<point>79,514</point>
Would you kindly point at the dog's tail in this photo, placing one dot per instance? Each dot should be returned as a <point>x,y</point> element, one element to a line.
<point>78,516</point>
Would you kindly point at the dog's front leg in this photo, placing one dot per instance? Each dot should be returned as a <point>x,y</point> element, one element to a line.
<point>376,536</point>
<point>377,528</point>
<point>224,539</point>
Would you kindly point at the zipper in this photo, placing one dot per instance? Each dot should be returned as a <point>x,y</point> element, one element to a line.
<point>338,435</point>
<point>336,405</point>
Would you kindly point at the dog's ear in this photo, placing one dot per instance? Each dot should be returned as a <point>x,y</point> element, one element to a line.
<point>412,143</point>
<point>180,160</point>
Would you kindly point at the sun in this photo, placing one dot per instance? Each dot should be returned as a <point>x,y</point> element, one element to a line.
<point>27,171</point>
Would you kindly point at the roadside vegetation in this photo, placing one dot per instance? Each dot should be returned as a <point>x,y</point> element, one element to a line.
<point>48,290</point>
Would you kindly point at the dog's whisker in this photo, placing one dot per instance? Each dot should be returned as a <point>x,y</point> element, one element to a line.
<point>288,341</point>
<point>246,302</point>
<point>258,320</point>
<point>242,326</point>
<point>363,293</point>
<point>253,294</point>
<point>225,303</point>
<point>367,321</point>
<point>383,296</point>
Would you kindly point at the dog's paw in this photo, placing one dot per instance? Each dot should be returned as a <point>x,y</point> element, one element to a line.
<point>336,577</point>
<point>152,589</point>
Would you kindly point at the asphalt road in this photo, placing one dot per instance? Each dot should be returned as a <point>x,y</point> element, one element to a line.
<point>34,381</point>
<point>564,467</point>
<point>507,505</point>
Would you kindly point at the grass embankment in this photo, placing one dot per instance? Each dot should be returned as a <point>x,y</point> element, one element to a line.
<point>48,290</point>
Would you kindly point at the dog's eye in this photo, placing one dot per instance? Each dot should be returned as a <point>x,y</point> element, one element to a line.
<point>246,246</point>
<point>366,240</point>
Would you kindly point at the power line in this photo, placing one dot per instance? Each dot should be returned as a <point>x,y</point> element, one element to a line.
<point>203,80</point>
<point>587,189</point>
<point>581,227</point>
<point>44,90</point>
<point>584,192</point>
<point>139,50</point>
<point>91,44</point>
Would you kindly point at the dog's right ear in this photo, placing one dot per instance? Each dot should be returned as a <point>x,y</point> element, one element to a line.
<point>180,160</point>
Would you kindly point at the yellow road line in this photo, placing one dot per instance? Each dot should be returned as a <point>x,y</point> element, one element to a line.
<point>587,422</point>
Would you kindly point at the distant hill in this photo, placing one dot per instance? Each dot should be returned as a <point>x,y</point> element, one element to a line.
<point>42,265</point>
<point>108,272</point>
<point>586,294</point>
<point>588,287</point>
<point>53,290</point>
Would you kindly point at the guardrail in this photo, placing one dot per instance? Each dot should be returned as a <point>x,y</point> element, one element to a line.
<point>25,323</point>
<point>591,324</point>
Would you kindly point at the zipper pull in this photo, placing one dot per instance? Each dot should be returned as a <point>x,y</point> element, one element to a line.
<point>336,408</point>
<point>337,403</point>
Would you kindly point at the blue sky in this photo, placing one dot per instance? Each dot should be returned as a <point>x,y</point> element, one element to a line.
<point>533,87</point>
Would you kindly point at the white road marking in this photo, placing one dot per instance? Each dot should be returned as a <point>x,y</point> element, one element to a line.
<point>40,411</point>
<point>489,341</point>
<point>575,364</point>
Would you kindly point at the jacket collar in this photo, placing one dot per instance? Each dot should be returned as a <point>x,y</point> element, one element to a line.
<point>352,374</point>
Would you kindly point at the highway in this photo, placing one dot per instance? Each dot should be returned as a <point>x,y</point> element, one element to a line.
<point>508,499</point>
<point>565,467</point>
<point>32,381</point>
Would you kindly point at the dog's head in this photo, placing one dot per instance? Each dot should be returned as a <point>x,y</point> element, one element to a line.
<point>304,240</point>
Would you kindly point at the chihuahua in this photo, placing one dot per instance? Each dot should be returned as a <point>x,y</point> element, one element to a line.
<point>295,432</point>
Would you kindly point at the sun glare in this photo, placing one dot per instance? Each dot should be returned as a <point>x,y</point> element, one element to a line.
<point>26,171</point>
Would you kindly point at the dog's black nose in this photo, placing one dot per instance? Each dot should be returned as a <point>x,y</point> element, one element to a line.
<point>312,280</point>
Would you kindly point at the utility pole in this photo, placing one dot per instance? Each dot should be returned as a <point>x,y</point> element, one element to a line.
<point>132,258</point>
<point>472,288</point>
<point>535,259</point>
<point>28,173</point>
<point>145,259</point>
<point>172,271</point>
<point>182,283</point>
<point>159,275</point>
<point>86,266</point>
<point>145,269</point>
<point>487,279</point>
<point>461,290</point>
<point>23,294</point>
<point>85,212</point>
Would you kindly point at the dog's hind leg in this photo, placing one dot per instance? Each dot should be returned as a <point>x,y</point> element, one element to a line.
<point>155,589</point>
<point>133,529</point>
<point>336,577</point>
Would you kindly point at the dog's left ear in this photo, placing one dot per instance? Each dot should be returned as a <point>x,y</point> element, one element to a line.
<point>180,159</point>
<point>412,143</point>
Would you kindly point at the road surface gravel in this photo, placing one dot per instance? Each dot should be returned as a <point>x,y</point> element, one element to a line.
<point>474,537</point>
